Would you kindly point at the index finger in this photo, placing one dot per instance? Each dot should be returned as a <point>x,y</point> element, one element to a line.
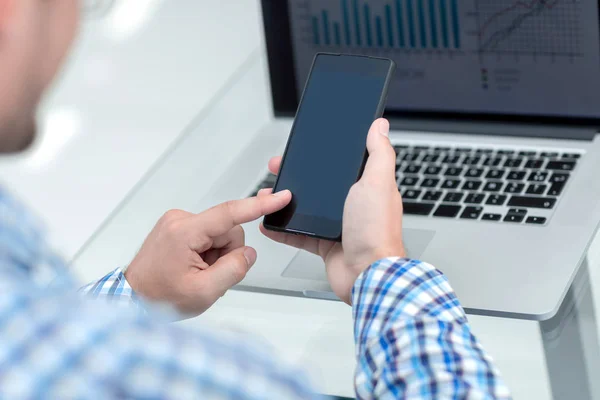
<point>221,219</point>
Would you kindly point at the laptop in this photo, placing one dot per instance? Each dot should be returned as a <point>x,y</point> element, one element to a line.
<point>495,111</point>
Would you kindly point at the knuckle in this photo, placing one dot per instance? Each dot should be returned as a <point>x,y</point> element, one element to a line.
<point>171,215</point>
<point>173,227</point>
<point>228,207</point>
<point>171,221</point>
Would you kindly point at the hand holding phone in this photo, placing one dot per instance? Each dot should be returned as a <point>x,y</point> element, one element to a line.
<point>326,151</point>
<point>372,218</point>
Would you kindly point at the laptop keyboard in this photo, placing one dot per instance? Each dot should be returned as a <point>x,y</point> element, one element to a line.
<point>488,184</point>
<point>485,184</point>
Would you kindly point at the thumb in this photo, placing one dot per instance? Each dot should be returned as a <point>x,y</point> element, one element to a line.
<point>381,163</point>
<point>229,270</point>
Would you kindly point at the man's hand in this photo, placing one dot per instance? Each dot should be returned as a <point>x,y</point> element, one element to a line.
<point>372,218</point>
<point>190,260</point>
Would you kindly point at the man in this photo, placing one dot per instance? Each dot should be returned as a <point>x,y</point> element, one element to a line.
<point>412,336</point>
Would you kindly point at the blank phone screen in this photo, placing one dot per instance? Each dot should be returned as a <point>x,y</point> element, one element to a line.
<point>326,149</point>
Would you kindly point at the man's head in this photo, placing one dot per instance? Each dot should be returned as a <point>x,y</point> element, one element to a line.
<point>35,36</point>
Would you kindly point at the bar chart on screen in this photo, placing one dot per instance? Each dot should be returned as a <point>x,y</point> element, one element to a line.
<point>384,24</point>
<point>484,27</point>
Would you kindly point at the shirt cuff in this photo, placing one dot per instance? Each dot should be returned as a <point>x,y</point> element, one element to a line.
<point>114,288</point>
<point>394,288</point>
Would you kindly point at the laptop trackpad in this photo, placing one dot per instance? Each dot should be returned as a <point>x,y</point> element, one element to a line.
<point>308,266</point>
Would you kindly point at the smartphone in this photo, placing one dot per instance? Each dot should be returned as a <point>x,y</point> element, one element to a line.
<point>327,147</point>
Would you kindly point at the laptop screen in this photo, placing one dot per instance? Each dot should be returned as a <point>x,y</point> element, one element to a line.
<point>506,57</point>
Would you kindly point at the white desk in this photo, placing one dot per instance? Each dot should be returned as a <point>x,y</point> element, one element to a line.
<point>315,334</point>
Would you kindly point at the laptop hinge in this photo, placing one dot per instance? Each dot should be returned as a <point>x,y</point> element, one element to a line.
<point>568,132</point>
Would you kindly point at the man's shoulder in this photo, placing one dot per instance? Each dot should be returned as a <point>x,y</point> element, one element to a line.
<point>47,333</point>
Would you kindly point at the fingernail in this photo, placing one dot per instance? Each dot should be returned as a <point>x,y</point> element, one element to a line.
<point>250,255</point>
<point>384,127</point>
<point>282,193</point>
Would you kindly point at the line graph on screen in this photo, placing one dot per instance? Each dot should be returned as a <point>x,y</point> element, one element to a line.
<point>530,27</point>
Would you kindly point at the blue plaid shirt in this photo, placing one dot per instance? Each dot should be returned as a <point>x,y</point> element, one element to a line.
<point>412,337</point>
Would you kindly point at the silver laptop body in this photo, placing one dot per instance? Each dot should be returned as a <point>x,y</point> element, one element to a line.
<point>521,207</point>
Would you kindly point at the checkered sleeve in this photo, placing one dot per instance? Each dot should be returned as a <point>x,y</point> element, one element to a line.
<point>413,338</point>
<point>114,288</point>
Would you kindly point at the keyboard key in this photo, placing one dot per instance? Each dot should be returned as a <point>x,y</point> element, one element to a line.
<point>537,188</point>
<point>462,150</point>
<point>432,170</point>
<point>496,200</point>
<point>484,151</point>
<point>492,186</point>
<point>472,185</point>
<point>447,211</point>
<point>431,158</point>
<point>534,164</point>
<point>516,175</point>
<point>422,148</point>
<point>451,159</point>
<point>506,152</point>
<point>514,188</point>
<point>474,173</point>
<point>514,218</point>
<point>492,161</point>
<point>513,163</point>
<point>474,198</point>
<point>538,176</point>
<point>471,160</point>
<point>549,154</point>
<point>411,194</point>
<point>409,181</point>
<point>495,174</point>
<point>410,157</point>
<point>572,156</point>
<point>536,220</point>
<point>556,189</point>
<point>430,182</point>
<point>471,212</point>
<point>527,153</point>
<point>453,197</point>
<point>412,169</point>
<point>432,196</point>
<point>561,165</point>
<point>491,217</point>
<point>532,202</point>
<point>417,208</point>
<point>441,148</point>
<point>518,211</point>
<point>450,184</point>
<point>556,178</point>
<point>453,171</point>
<point>400,146</point>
